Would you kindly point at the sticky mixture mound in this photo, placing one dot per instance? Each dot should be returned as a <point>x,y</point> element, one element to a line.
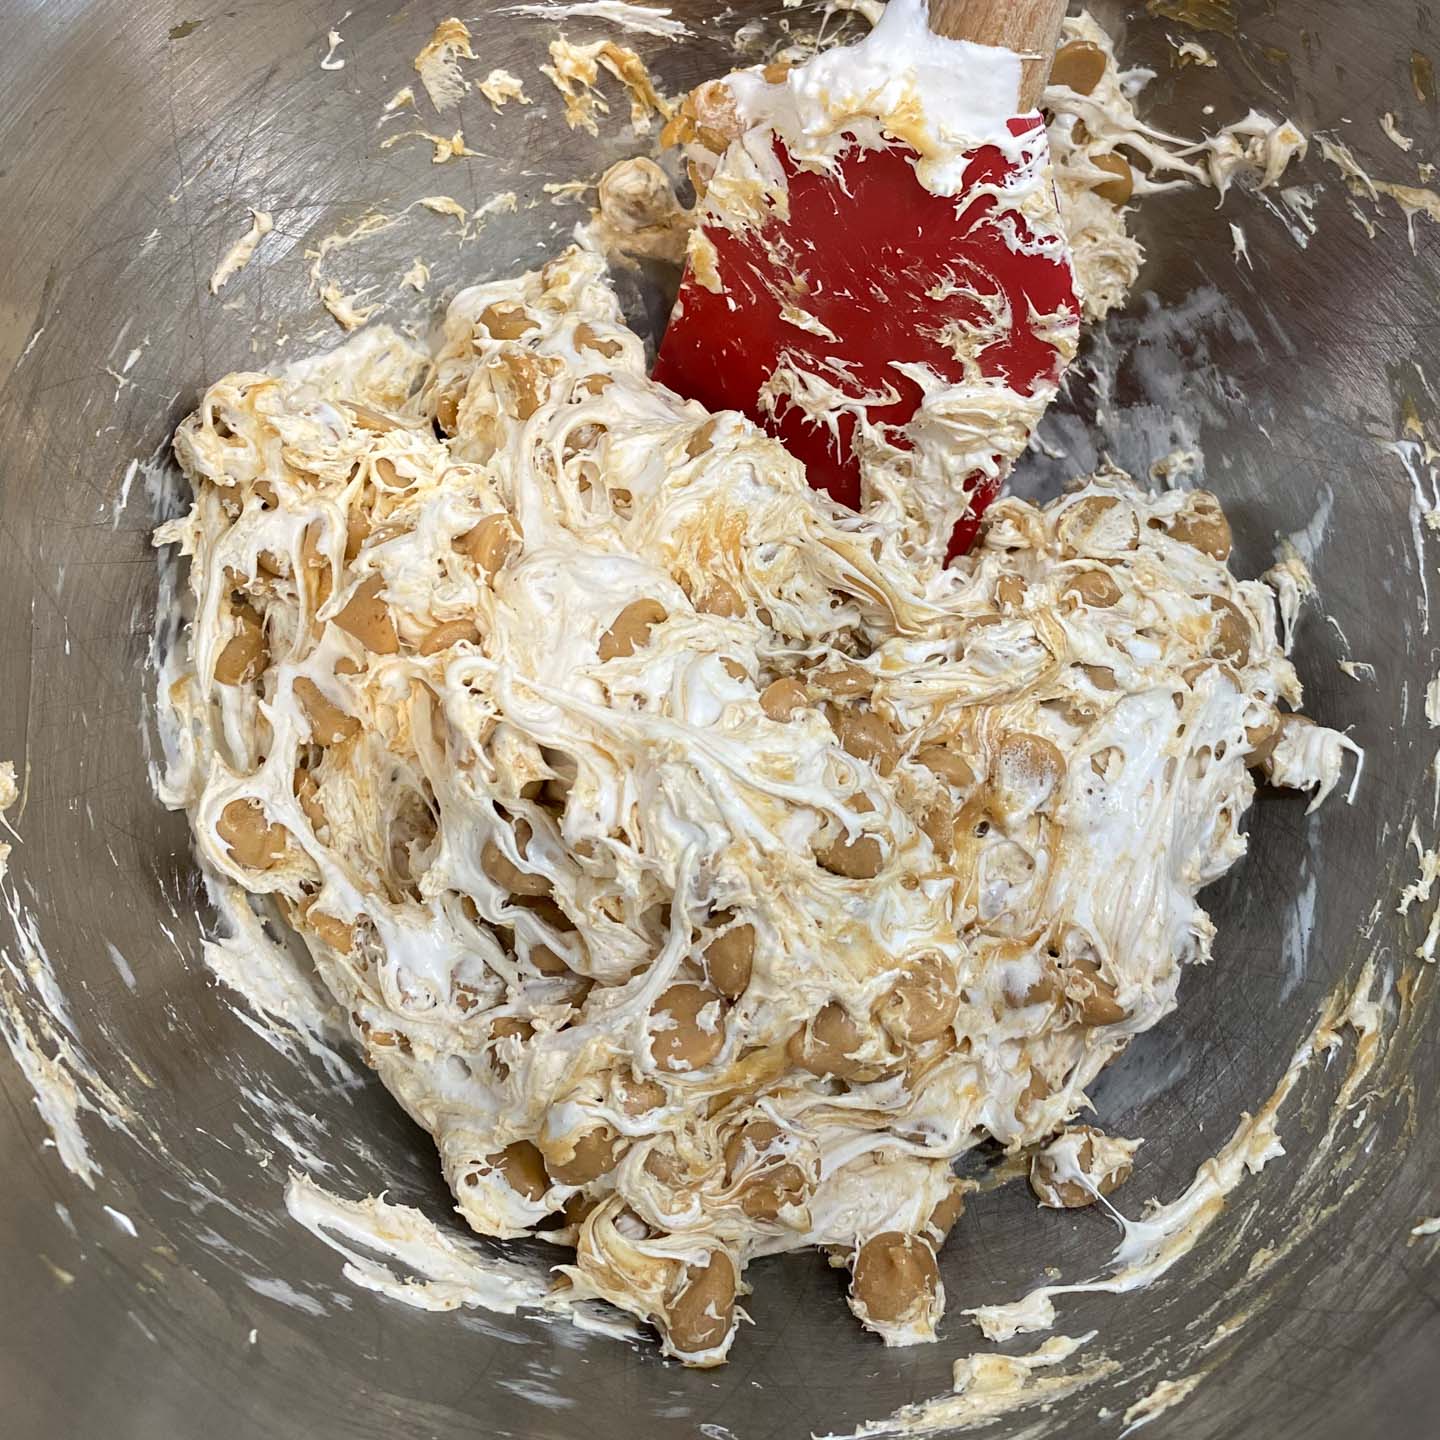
<point>702,875</point>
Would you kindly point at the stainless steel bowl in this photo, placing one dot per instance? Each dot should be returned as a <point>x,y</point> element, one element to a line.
<point>173,1296</point>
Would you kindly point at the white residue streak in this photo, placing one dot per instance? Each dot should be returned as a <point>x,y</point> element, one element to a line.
<point>1289,577</point>
<point>267,976</point>
<point>441,1273</point>
<point>642,19</point>
<point>121,964</point>
<point>1393,133</point>
<point>281,1291</point>
<point>122,1221</point>
<point>336,40</point>
<point>438,63</point>
<point>41,1040</point>
<point>1420,891</point>
<point>1412,199</point>
<point>500,86</point>
<point>1240,246</point>
<point>123,499</point>
<point>507,202</point>
<point>1165,1396</point>
<point>1424,511</point>
<point>437,1271</point>
<point>349,311</point>
<point>1192,52</point>
<point>238,256</point>
<point>989,1387</point>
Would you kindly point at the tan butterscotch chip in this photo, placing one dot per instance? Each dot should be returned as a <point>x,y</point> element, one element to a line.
<point>307,792</point>
<point>511,1027</point>
<point>367,617</point>
<point>245,654</point>
<point>631,629</point>
<point>730,958</point>
<point>923,1002</point>
<point>588,338</point>
<point>505,873</point>
<point>1095,588</point>
<point>331,929</point>
<point>507,322</point>
<point>1079,65</point>
<point>895,1279</point>
<point>573,1161</point>
<point>252,840</point>
<point>948,765</point>
<point>782,699</point>
<point>687,1027</point>
<point>522,380</point>
<point>357,532</point>
<point>947,1213</point>
<point>447,408</point>
<point>490,543</point>
<point>862,858</point>
<point>1093,994</point>
<point>1069,1173</point>
<point>547,962</point>
<point>702,440</point>
<point>640,1096</point>
<point>523,1167</point>
<point>843,680</point>
<point>448,635</point>
<point>577,1209</point>
<point>865,735</point>
<point>1202,524</point>
<point>329,724</point>
<point>702,1312</point>
<point>720,597</point>
<point>830,1044</point>
<point>756,1160</point>
<point>1232,633</point>
<point>1121,186</point>
<point>1010,591</point>
<point>317,579</point>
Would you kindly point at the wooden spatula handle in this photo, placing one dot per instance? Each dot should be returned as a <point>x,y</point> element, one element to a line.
<point>1030,27</point>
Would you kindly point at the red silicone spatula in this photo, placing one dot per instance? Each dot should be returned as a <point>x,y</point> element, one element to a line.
<point>883,273</point>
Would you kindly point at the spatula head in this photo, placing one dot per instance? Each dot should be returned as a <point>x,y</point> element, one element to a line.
<point>860,292</point>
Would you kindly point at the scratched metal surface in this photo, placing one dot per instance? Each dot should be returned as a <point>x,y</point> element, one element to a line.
<point>132,136</point>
